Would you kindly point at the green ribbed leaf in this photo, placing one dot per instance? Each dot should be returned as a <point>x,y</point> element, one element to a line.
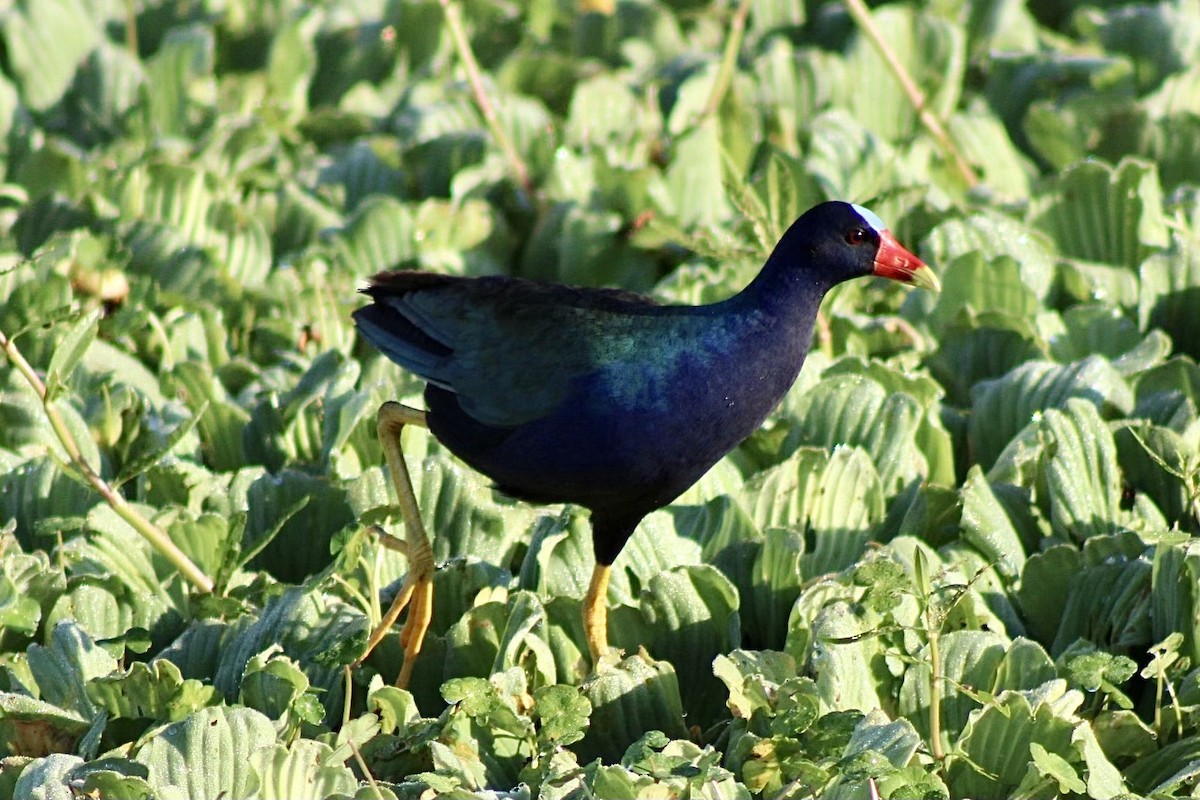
<point>302,769</point>
<point>1041,594</point>
<point>242,244</point>
<point>997,738</point>
<point>305,625</point>
<point>605,112</point>
<point>380,235</point>
<point>1174,596</point>
<point>70,350</point>
<point>293,61</point>
<point>840,512</point>
<point>693,180</point>
<point>835,497</point>
<point>556,562</point>
<point>1103,330</point>
<point>878,740</point>
<point>460,583</point>
<point>987,527</point>
<point>46,41</point>
<point>847,410</point>
<point>116,550</point>
<point>293,516</point>
<point>776,579</point>
<point>1106,214</point>
<point>1178,94</point>
<point>1108,604</point>
<point>577,245</point>
<point>848,659</point>
<point>448,232</point>
<point>992,235</point>
<point>155,691</point>
<point>1026,665</point>
<point>847,158</point>
<point>18,613</point>
<point>691,616</point>
<point>1168,770</point>
<point>973,349</point>
<point>299,218</point>
<point>364,170</point>
<point>23,708</point>
<point>1082,474</point>
<point>95,609</point>
<point>179,78</point>
<point>1170,290</point>
<point>64,666</point>
<point>223,739</point>
<point>1169,394</point>
<point>985,145</point>
<point>47,778</point>
<point>981,285</point>
<point>1158,463</point>
<point>462,515</point>
<point>1002,407</point>
<point>178,196</point>
<point>628,699</point>
<point>511,632</point>
<point>1088,281</point>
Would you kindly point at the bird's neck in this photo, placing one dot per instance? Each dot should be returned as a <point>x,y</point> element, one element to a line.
<point>790,296</point>
<point>769,327</point>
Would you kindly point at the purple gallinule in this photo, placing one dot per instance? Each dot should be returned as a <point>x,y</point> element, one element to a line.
<point>601,397</point>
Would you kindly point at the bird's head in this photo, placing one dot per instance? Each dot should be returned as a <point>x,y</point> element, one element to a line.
<point>844,241</point>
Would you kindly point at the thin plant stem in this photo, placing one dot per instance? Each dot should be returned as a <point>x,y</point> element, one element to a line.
<point>156,326</point>
<point>355,594</point>
<point>733,45</point>
<point>348,694</point>
<point>935,691</point>
<point>155,535</point>
<point>131,37</point>
<point>363,766</point>
<point>862,17</point>
<point>463,46</point>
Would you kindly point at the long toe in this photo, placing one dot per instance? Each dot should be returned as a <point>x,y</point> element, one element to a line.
<point>389,619</point>
<point>412,637</point>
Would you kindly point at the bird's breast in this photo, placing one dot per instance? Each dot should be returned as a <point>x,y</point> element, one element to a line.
<point>688,408</point>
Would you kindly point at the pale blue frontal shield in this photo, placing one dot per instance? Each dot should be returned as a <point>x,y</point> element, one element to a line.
<point>869,217</point>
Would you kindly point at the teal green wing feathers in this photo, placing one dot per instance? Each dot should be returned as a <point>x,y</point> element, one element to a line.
<point>509,349</point>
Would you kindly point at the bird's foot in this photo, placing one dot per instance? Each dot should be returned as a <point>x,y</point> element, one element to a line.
<point>412,635</point>
<point>417,596</point>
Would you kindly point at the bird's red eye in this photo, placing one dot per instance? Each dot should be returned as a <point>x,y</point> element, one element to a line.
<point>856,236</point>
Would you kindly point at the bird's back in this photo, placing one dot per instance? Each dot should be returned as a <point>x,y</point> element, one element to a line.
<point>509,348</point>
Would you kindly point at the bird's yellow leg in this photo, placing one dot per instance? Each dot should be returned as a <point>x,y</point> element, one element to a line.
<point>417,592</point>
<point>595,612</point>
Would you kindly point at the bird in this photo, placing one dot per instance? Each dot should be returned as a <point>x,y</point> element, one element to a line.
<point>601,397</point>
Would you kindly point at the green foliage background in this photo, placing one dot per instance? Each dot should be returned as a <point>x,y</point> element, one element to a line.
<point>957,562</point>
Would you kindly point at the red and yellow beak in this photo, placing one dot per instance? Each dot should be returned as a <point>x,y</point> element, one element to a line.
<point>895,262</point>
